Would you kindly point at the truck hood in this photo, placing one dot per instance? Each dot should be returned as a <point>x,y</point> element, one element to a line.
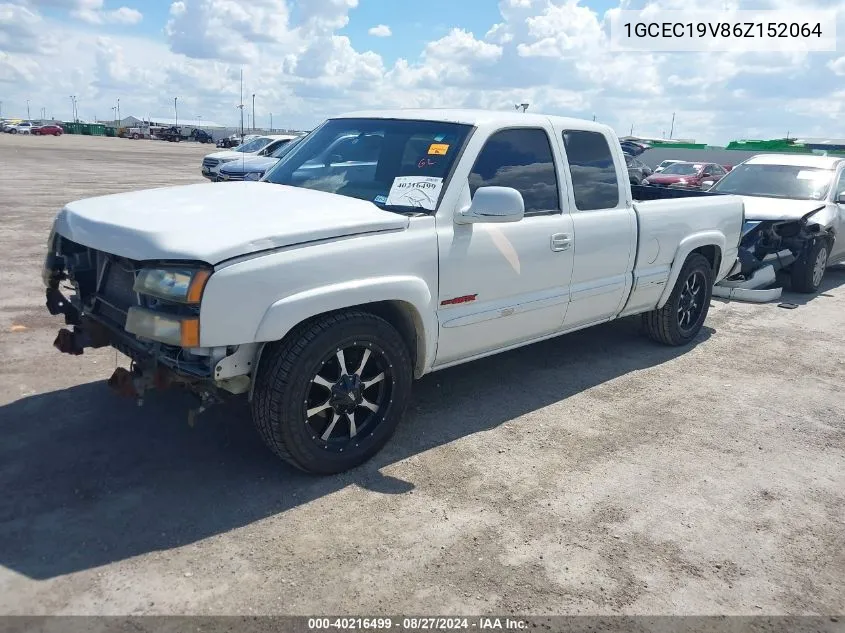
<point>250,164</point>
<point>212,222</point>
<point>761,208</point>
<point>228,153</point>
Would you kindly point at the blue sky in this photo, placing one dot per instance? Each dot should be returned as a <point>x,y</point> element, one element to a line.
<point>308,59</point>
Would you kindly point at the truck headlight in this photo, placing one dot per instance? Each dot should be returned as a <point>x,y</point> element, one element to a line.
<point>182,285</point>
<point>165,328</point>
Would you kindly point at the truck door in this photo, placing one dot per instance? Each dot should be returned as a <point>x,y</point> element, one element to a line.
<point>605,227</point>
<point>503,284</point>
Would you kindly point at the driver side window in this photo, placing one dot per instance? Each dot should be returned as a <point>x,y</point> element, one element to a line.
<point>522,159</point>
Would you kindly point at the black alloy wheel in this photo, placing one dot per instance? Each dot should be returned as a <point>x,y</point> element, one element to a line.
<point>348,396</point>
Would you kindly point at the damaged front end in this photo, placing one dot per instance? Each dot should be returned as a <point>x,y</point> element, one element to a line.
<point>141,310</point>
<point>769,247</point>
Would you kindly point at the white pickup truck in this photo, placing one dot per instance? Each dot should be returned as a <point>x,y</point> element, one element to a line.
<point>322,290</point>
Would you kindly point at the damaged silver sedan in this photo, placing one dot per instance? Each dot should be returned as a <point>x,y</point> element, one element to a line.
<point>794,220</point>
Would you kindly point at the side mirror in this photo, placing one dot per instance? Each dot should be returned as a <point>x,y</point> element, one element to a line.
<point>840,198</point>
<point>493,204</point>
<point>706,184</point>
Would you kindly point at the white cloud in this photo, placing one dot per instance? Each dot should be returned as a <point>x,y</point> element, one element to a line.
<point>837,66</point>
<point>22,30</point>
<point>382,30</point>
<point>92,11</point>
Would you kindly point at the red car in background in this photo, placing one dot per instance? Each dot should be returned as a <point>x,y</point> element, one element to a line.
<point>688,176</point>
<point>49,129</point>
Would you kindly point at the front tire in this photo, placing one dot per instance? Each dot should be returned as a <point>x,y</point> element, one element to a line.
<point>680,320</point>
<point>808,272</point>
<point>331,394</point>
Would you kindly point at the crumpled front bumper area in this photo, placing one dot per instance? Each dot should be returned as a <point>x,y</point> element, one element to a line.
<point>767,247</point>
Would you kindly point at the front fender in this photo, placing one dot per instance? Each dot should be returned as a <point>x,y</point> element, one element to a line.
<point>687,246</point>
<point>283,315</point>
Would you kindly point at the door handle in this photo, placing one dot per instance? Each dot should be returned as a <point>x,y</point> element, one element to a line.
<point>561,242</point>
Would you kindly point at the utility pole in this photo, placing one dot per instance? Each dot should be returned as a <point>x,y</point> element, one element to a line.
<point>672,129</point>
<point>118,111</point>
<point>253,112</point>
<point>176,112</point>
<point>632,129</point>
<point>271,118</point>
<point>114,114</point>
<point>241,105</point>
<point>594,117</point>
<point>27,110</point>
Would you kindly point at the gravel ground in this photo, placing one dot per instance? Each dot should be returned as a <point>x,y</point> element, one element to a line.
<point>595,474</point>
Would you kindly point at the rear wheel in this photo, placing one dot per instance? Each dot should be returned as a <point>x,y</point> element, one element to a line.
<point>330,395</point>
<point>14,131</point>
<point>136,136</point>
<point>37,133</point>
<point>680,320</point>
<point>808,272</point>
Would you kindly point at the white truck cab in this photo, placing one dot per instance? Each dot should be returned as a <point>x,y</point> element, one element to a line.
<point>434,238</point>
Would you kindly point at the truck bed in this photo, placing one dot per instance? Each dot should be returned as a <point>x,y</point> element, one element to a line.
<point>651,192</point>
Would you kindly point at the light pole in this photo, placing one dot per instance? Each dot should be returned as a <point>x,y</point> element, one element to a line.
<point>199,118</point>
<point>176,111</point>
<point>672,129</point>
<point>253,111</point>
<point>1,108</point>
<point>27,109</point>
<point>271,121</point>
<point>114,114</point>
<point>118,111</point>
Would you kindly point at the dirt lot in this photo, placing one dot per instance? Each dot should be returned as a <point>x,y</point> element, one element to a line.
<point>598,473</point>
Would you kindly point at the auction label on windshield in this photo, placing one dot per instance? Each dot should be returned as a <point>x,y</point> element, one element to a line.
<point>421,192</point>
<point>746,31</point>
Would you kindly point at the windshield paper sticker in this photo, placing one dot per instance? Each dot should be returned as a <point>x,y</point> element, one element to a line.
<point>415,191</point>
<point>811,174</point>
<point>438,149</point>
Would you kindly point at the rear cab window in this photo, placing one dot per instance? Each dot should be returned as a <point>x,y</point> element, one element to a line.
<point>595,180</point>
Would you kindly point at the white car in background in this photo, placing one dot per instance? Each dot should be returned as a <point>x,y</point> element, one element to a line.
<point>263,145</point>
<point>794,212</point>
<point>24,127</point>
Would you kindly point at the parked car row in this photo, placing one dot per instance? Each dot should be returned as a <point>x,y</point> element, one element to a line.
<point>260,147</point>
<point>36,128</point>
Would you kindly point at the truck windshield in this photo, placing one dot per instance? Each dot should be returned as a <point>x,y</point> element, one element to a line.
<point>253,146</point>
<point>400,165</point>
<point>776,181</point>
